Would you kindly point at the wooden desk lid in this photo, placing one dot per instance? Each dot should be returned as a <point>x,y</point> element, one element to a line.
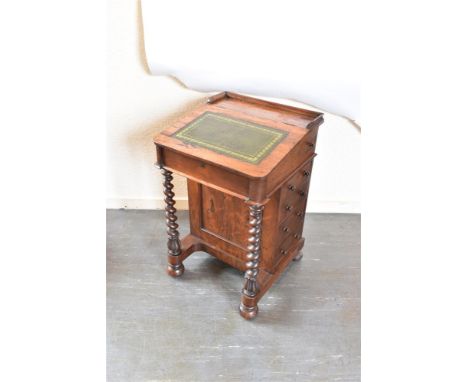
<point>240,133</point>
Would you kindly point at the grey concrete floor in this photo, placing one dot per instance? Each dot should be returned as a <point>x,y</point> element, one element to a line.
<point>189,329</point>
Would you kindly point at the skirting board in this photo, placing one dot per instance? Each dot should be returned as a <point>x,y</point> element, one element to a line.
<point>323,206</point>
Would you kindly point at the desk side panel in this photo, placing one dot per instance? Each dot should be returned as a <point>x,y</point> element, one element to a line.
<point>222,221</point>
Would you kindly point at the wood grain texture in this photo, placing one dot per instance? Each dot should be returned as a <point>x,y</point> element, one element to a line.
<point>249,112</point>
<point>250,216</point>
<point>215,207</point>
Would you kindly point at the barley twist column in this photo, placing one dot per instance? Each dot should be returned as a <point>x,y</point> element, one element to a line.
<point>174,267</point>
<point>248,307</point>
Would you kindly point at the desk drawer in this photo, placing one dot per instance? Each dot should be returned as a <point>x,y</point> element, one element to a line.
<point>287,245</point>
<point>294,193</point>
<point>206,173</point>
<point>292,226</point>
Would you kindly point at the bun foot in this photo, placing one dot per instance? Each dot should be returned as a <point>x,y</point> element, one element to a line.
<point>175,270</point>
<point>298,257</point>
<point>248,312</point>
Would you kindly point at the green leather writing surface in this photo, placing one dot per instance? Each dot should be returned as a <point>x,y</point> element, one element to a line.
<point>246,141</point>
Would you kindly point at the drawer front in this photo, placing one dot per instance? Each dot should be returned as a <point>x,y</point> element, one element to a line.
<point>294,193</point>
<point>303,150</point>
<point>292,226</point>
<point>206,173</point>
<point>286,246</point>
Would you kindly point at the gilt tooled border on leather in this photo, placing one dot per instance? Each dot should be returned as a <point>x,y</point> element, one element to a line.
<point>276,137</point>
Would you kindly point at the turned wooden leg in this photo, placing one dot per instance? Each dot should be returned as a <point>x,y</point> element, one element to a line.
<point>175,267</point>
<point>248,307</point>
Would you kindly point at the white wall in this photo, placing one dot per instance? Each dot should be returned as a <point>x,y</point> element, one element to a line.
<point>140,105</point>
<point>260,47</point>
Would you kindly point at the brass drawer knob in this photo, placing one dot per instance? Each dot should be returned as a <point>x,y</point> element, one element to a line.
<point>296,236</point>
<point>283,252</point>
<point>302,193</point>
<point>288,208</point>
<point>310,144</point>
<point>291,187</point>
<point>306,173</point>
<point>286,229</point>
<point>300,214</point>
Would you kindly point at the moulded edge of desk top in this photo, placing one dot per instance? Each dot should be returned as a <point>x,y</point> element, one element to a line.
<point>297,121</point>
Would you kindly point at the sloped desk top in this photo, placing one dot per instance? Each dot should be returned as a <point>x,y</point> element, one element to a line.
<point>241,134</point>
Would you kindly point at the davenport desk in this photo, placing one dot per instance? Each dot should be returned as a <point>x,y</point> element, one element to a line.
<point>248,164</point>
